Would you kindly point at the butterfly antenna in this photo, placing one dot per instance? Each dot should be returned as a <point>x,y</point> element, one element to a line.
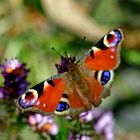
<point>66,55</point>
<point>76,52</point>
<point>84,38</point>
<point>56,51</point>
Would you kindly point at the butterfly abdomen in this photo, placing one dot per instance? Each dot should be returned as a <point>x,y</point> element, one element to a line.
<point>79,85</point>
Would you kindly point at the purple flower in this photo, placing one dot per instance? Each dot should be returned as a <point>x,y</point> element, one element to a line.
<point>15,74</point>
<point>64,64</point>
<point>41,123</point>
<point>77,136</point>
<point>103,122</point>
<point>105,125</point>
<point>1,93</point>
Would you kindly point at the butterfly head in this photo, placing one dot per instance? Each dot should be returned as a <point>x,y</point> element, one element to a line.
<point>65,64</point>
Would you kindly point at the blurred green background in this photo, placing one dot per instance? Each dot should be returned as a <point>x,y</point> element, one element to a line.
<point>29,28</point>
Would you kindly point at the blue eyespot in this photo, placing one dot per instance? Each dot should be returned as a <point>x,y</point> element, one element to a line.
<point>62,106</point>
<point>105,77</point>
<point>23,103</point>
<point>119,36</point>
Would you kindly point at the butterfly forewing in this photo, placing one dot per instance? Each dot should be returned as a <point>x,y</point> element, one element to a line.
<point>106,54</point>
<point>43,97</point>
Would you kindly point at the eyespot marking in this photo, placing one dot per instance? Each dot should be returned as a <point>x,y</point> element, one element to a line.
<point>110,36</point>
<point>113,38</point>
<point>118,34</point>
<point>62,106</point>
<point>28,99</point>
<point>105,77</point>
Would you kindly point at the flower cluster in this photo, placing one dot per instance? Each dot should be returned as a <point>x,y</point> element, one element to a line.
<point>15,74</point>
<point>42,124</point>
<point>98,123</point>
<point>102,121</point>
<point>79,137</point>
<point>95,124</point>
<point>92,123</point>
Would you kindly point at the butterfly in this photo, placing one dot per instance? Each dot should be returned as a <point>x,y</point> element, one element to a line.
<point>79,85</point>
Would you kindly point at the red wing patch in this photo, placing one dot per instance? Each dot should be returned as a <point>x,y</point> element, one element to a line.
<point>97,89</point>
<point>74,100</point>
<point>51,96</point>
<point>101,59</point>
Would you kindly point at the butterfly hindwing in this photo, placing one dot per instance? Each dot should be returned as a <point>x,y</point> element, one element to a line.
<point>70,104</point>
<point>101,85</point>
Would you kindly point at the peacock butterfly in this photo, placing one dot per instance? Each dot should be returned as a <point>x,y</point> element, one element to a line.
<point>80,85</point>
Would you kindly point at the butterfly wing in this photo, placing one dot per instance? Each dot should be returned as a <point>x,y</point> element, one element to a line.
<point>100,61</point>
<point>43,97</point>
<point>106,54</point>
<point>52,96</point>
<point>97,67</point>
<point>56,96</point>
<point>100,85</point>
<point>70,104</point>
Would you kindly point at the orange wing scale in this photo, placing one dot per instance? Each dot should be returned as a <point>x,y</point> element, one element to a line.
<point>51,96</point>
<point>97,89</point>
<point>75,100</point>
<point>95,96</point>
<point>103,59</point>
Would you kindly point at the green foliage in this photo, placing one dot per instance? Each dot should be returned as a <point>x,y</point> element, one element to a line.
<point>32,45</point>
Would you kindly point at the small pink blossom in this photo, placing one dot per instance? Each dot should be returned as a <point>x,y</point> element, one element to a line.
<point>43,123</point>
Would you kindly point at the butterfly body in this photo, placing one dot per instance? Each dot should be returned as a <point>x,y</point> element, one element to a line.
<point>77,78</point>
<point>80,85</point>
